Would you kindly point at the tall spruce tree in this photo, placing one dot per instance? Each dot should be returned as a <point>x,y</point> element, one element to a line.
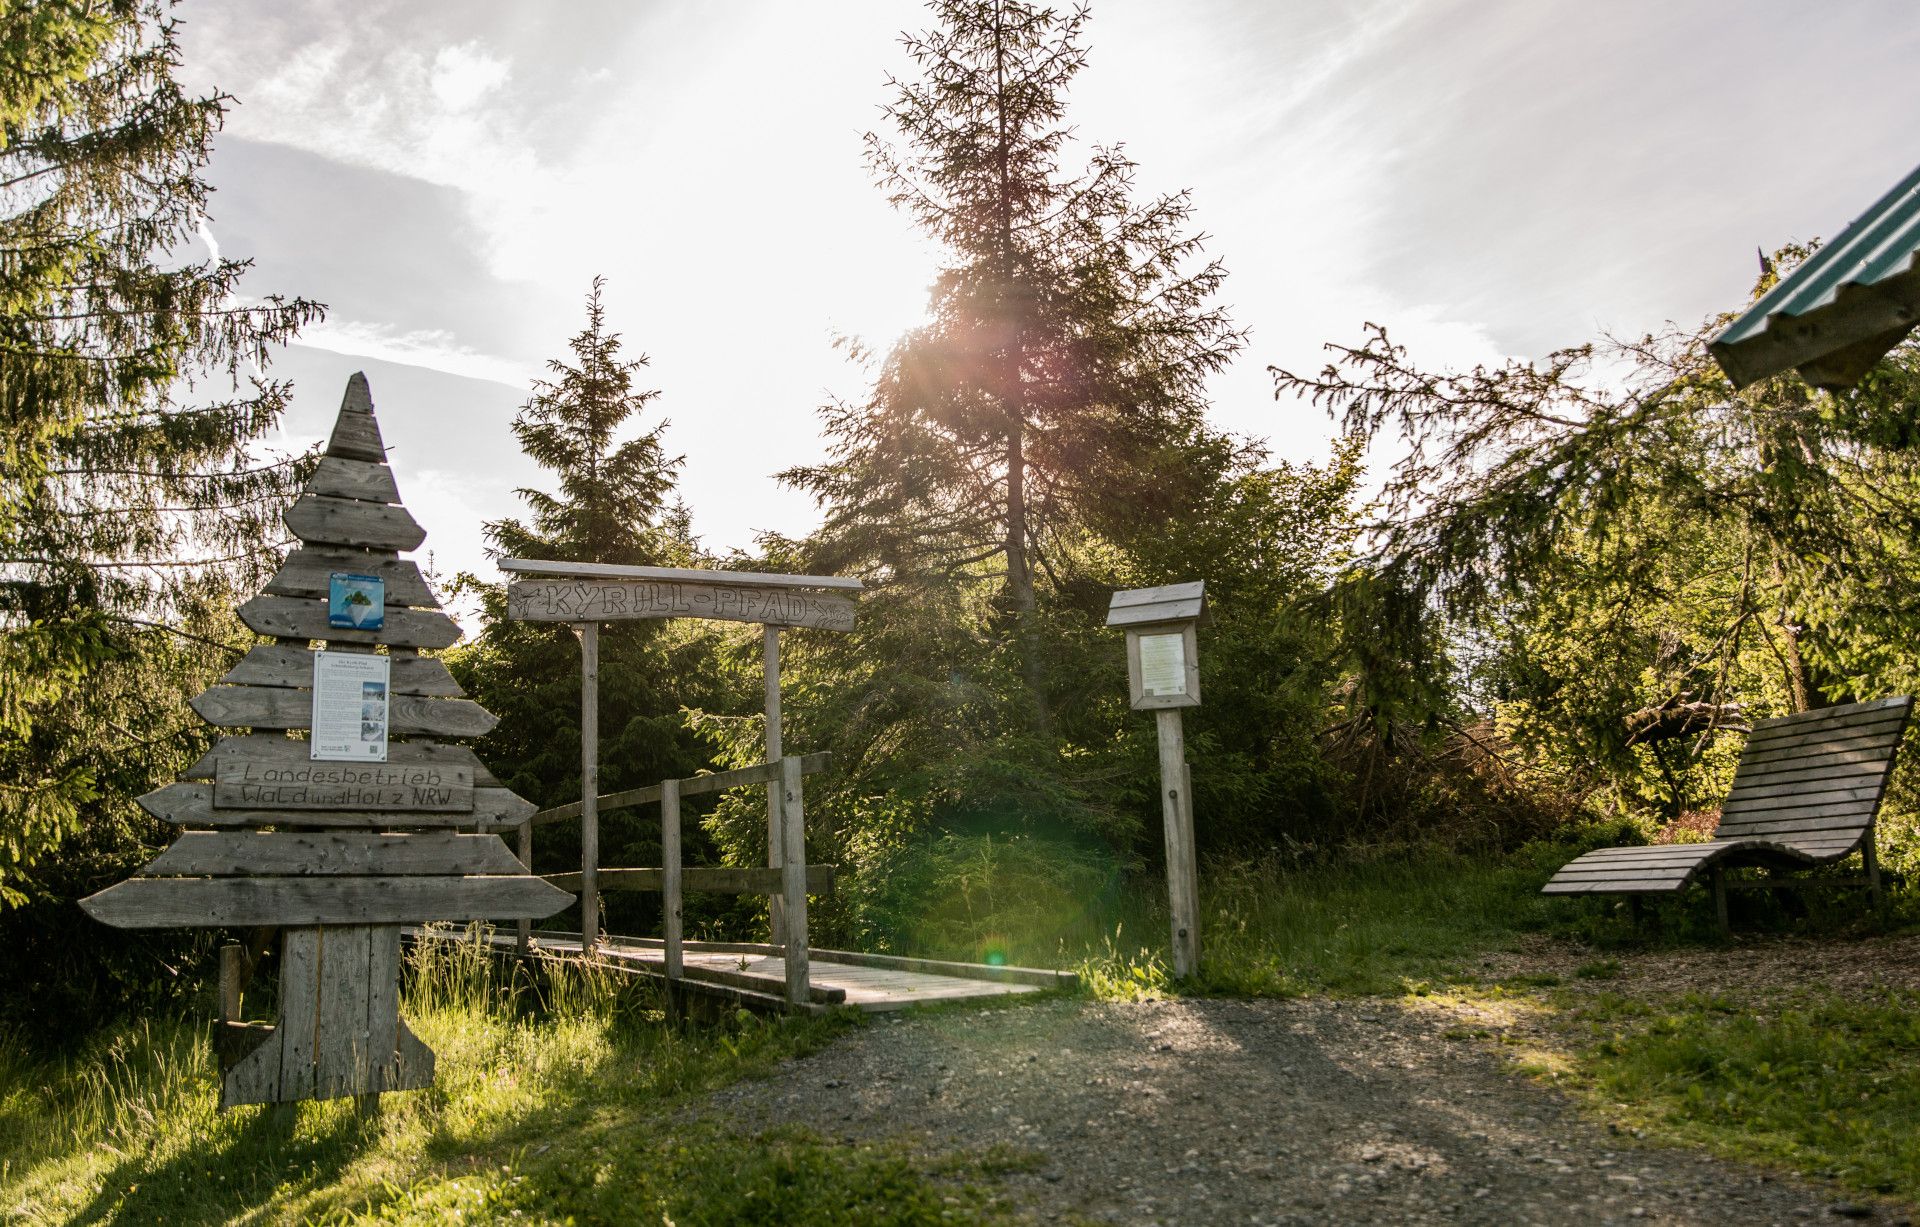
<point>1069,333</point>
<point>127,496</point>
<point>613,481</point>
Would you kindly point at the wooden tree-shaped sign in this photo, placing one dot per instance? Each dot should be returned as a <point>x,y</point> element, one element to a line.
<point>361,842</point>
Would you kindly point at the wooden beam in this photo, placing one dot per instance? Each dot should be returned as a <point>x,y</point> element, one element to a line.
<point>697,575</point>
<point>319,520</point>
<point>691,786</point>
<point>190,804</point>
<point>161,903</point>
<point>219,854</point>
<point>366,480</point>
<point>286,617</point>
<point>610,600</point>
<point>1176,815</point>
<point>291,665</point>
<point>269,748</point>
<point>277,707</point>
<point>718,880</point>
<point>241,783</point>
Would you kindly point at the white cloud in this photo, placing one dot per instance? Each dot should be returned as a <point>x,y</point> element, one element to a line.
<point>465,74</point>
<point>433,348</point>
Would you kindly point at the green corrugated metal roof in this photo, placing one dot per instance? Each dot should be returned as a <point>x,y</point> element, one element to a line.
<point>1840,312</point>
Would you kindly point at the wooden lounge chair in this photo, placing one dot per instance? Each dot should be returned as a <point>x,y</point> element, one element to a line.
<point>1804,794</point>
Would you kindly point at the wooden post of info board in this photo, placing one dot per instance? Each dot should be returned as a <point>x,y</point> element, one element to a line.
<point>1163,676</point>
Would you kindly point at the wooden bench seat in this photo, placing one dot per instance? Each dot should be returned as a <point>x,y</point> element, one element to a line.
<point>1805,794</point>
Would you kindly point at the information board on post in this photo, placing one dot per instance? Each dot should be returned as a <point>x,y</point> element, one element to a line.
<point>350,692</point>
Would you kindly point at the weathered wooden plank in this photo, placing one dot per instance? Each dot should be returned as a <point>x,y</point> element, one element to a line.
<point>1623,865</point>
<point>242,783</point>
<point>673,878</point>
<point>696,575</point>
<point>691,786</point>
<point>1787,777</point>
<point>793,867</point>
<point>1006,974</point>
<point>267,748</point>
<point>301,961</point>
<point>190,803</point>
<point>341,1064</point>
<point>383,1004</point>
<point>364,480</point>
<point>1870,782</point>
<point>1671,850</point>
<point>1852,813</point>
<point>1817,793</point>
<point>319,520</point>
<point>286,617</point>
<point>1733,816</point>
<point>1872,756</point>
<point>1826,717</point>
<point>718,880</point>
<point>308,571</point>
<point>1865,744</point>
<point>355,434</point>
<point>1780,828</point>
<point>218,854</point>
<point>587,600</point>
<point>1784,736</point>
<point>1625,886</point>
<point>1874,725</point>
<point>159,903</point>
<point>290,665</point>
<point>277,707</point>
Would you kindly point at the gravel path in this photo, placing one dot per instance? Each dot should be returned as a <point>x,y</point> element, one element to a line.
<point>1216,1112</point>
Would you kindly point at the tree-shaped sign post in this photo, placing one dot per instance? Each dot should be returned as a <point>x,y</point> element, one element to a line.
<point>343,836</point>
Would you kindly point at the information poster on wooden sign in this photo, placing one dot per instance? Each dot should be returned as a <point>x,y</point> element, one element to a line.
<point>350,707</point>
<point>1163,664</point>
<point>356,602</point>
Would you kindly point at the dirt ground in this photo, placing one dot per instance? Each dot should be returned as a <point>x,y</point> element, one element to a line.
<point>1309,1111</point>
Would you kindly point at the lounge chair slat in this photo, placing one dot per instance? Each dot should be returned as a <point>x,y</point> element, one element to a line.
<point>1869,723</point>
<point>1825,716</point>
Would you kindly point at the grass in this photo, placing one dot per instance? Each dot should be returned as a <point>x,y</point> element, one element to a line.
<point>548,1110</point>
<point>1815,1082</point>
<point>563,1100</point>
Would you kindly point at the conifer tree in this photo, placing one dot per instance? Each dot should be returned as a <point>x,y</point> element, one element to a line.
<point>124,490</point>
<point>610,504</point>
<point>1069,331</point>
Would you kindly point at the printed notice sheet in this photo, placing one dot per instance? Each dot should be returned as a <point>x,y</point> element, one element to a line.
<point>1163,664</point>
<point>349,707</point>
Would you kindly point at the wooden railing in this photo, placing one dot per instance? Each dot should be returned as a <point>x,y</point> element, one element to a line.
<point>788,880</point>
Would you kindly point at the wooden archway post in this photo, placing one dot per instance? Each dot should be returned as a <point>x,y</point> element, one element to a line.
<point>589,633</point>
<point>776,837</point>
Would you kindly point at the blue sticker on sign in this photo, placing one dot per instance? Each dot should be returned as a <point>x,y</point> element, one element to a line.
<point>356,602</point>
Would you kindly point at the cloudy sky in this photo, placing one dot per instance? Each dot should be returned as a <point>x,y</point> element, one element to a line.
<point>1487,177</point>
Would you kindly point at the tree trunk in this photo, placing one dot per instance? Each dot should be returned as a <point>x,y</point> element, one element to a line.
<point>1799,679</point>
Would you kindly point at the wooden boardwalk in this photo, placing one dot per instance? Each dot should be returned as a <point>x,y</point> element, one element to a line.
<point>754,975</point>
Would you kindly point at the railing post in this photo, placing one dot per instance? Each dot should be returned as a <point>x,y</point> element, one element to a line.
<point>794,879</point>
<point>670,872</point>
<point>523,927</point>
